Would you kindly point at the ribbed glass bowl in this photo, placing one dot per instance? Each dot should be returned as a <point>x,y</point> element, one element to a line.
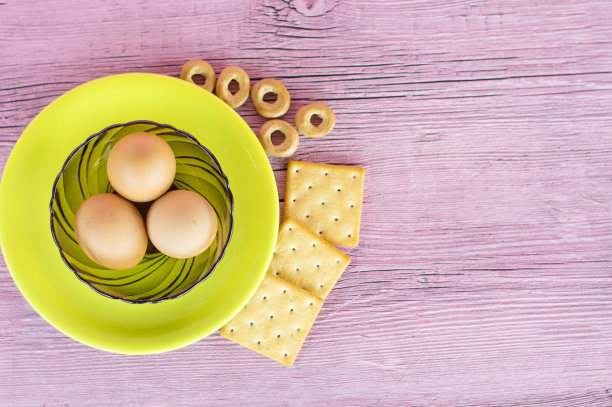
<point>157,277</point>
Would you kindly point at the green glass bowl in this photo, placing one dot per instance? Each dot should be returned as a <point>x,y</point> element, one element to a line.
<point>157,277</point>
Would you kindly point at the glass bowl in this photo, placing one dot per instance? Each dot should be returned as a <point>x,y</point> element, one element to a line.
<point>157,277</point>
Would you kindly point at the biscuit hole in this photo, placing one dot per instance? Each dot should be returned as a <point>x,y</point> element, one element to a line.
<point>277,137</point>
<point>285,355</point>
<point>337,261</point>
<point>232,330</point>
<point>284,291</point>
<point>321,286</point>
<point>277,273</point>
<point>233,86</point>
<point>270,97</point>
<point>318,265</point>
<point>252,323</point>
<point>314,245</point>
<point>293,248</point>
<point>297,170</point>
<point>198,79</point>
<point>307,216</point>
<point>299,329</point>
<point>309,186</point>
<point>352,206</point>
<point>311,304</point>
<point>316,120</point>
<point>339,189</point>
<point>323,203</point>
<point>264,297</point>
<point>271,316</point>
<point>349,235</point>
<point>293,200</point>
<point>291,310</point>
<point>297,269</point>
<point>354,176</point>
<point>335,219</point>
<point>326,174</point>
<point>259,342</point>
<point>278,336</point>
<point>289,228</point>
<point>320,232</point>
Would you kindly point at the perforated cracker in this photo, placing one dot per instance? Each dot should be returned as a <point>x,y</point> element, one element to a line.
<point>306,260</point>
<point>275,321</point>
<point>326,199</point>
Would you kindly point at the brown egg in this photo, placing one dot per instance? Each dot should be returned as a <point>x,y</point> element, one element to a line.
<point>111,231</point>
<point>181,224</point>
<point>141,167</point>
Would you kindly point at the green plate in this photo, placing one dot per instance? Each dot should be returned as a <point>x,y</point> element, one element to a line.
<point>52,288</point>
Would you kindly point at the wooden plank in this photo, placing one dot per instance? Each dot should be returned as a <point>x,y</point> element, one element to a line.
<point>483,274</point>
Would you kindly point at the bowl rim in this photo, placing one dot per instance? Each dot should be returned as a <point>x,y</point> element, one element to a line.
<point>215,162</point>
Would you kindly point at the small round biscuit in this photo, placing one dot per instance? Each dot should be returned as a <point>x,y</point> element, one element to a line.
<point>199,67</point>
<point>305,114</point>
<point>270,109</point>
<point>233,73</point>
<point>289,144</point>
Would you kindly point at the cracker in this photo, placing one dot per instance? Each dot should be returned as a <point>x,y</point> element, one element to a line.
<point>306,260</point>
<point>275,321</point>
<point>326,199</point>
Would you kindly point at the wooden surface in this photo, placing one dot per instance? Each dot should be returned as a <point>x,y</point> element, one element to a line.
<point>484,273</point>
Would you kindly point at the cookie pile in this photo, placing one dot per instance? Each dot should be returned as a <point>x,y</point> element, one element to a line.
<point>305,118</point>
<point>322,208</point>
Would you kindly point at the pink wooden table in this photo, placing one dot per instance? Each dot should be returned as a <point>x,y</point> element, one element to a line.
<point>484,273</point>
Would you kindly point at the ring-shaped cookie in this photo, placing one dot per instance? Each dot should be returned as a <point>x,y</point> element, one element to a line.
<point>305,126</point>
<point>199,67</point>
<point>227,75</point>
<point>270,109</point>
<point>289,144</point>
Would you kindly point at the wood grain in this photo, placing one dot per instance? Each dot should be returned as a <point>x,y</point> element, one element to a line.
<point>483,276</point>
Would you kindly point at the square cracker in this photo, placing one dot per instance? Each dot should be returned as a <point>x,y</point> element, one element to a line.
<point>306,260</point>
<point>275,321</point>
<point>326,199</point>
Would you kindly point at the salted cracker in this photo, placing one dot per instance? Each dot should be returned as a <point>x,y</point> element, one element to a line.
<point>275,321</point>
<point>326,199</point>
<point>306,260</point>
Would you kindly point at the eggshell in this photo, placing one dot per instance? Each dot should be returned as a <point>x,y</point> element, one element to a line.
<point>141,167</point>
<point>181,224</point>
<point>111,231</point>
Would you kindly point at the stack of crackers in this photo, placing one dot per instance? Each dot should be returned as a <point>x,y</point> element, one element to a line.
<point>322,209</point>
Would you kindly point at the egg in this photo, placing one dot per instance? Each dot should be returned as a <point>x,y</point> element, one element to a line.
<point>141,167</point>
<point>181,224</point>
<point>111,231</point>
